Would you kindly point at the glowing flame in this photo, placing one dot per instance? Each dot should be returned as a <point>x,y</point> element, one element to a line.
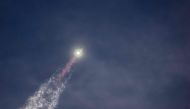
<point>78,53</point>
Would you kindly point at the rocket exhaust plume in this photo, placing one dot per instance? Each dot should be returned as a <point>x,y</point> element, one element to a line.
<point>47,96</point>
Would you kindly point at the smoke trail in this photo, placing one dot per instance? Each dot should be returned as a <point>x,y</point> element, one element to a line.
<point>47,96</point>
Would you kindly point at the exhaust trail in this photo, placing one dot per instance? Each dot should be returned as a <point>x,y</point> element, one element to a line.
<point>47,96</point>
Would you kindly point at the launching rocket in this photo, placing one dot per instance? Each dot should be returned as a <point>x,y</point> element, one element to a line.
<point>48,94</point>
<point>78,53</point>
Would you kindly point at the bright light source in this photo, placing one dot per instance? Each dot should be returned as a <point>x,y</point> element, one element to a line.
<point>78,52</point>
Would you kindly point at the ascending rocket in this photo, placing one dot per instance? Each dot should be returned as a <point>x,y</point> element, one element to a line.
<point>78,53</point>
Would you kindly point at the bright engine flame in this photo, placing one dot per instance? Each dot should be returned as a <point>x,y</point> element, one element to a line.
<point>78,53</point>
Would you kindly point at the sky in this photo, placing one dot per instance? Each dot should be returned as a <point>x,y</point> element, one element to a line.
<point>136,52</point>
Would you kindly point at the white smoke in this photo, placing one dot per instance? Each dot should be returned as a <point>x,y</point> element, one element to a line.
<point>47,96</point>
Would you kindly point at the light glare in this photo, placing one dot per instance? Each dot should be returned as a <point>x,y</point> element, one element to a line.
<point>78,52</point>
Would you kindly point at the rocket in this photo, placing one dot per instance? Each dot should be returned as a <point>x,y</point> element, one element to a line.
<point>78,53</point>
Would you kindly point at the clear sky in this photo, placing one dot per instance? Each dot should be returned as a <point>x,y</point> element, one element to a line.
<point>137,52</point>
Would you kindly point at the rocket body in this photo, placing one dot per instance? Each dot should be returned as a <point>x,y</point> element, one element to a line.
<point>76,54</point>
